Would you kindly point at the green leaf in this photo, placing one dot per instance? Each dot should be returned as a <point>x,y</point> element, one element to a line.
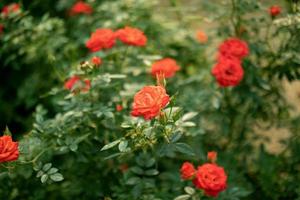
<point>184,148</point>
<point>123,145</point>
<point>110,145</point>
<point>137,170</point>
<point>52,171</point>
<point>175,137</point>
<point>189,190</point>
<point>44,178</point>
<point>149,162</point>
<point>151,172</point>
<point>133,181</point>
<point>188,116</point>
<point>73,147</point>
<point>112,156</point>
<point>47,167</point>
<point>56,177</point>
<point>183,197</point>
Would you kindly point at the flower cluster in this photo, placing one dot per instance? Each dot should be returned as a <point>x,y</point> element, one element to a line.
<point>8,149</point>
<point>104,38</point>
<point>228,71</point>
<point>81,7</point>
<point>208,177</point>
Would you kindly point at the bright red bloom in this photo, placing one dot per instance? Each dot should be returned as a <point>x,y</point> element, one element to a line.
<point>81,7</point>
<point>187,171</point>
<point>8,149</point>
<point>96,61</point>
<point>201,36</point>
<point>132,36</point>
<point>234,47</point>
<point>211,178</point>
<point>11,8</point>
<point>274,10</point>
<point>166,67</point>
<point>212,156</point>
<point>102,38</point>
<point>149,101</point>
<point>119,107</point>
<point>76,83</point>
<point>228,72</point>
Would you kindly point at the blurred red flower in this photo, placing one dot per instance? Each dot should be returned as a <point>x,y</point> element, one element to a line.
<point>166,67</point>
<point>201,37</point>
<point>132,36</point>
<point>81,7</point>
<point>274,10</point>
<point>96,60</point>
<point>11,8</point>
<point>187,171</point>
<point>102,38</point>
<point>212,156</point>
<point>228,72</point>
<point>75,83</point>
<point>234,47</point>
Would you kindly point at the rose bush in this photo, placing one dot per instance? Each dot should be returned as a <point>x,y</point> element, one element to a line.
<point>128,94</point>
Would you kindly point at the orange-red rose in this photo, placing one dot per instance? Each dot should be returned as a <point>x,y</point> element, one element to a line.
<point>96,61</point>
<point>131,36</point>
<point>102,38</point>
<point>81,7</point>
<point>149,101</point>
<point>187,171</point>
<point>8,149</point>
<point>211,178</point>
<point>234,47</point>
<point>11,8</point>
<point>167,67</point>
<point>228,72</point>
<point>275,10</point>
<point>75,83</point>
<point>212,156</point>
<point>119,107</point>
<point>201,36</point>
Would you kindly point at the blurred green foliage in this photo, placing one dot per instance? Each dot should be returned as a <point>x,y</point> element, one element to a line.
<point>61,157</point>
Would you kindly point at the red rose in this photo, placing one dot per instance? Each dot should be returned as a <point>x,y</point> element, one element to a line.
<point>228,72</point>
<point>149,101</point>
<point>201,36</point>
<point>76,83</point>
<point>187,171</point>
<point>274,10</point>
<point>119,108</point>
<point>102,38</point>
<point>8,149</point>
<point>166,67</point>
<point>81,7</point>
<point>211,178</point>
<point>131,36</point>
<point>212,156</point>
<point>234,47</point>
<point>11,8</point>
<point>96,61</point>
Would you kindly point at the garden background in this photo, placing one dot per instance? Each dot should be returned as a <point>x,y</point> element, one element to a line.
<point>81,142</point>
